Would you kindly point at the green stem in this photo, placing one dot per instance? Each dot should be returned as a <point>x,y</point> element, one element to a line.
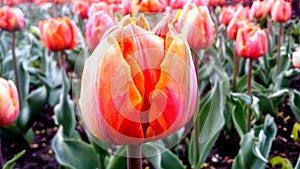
<point>278,48</point>
<point>236,63</point>
<point>101,161</point>
<point>134,157</point>
<point>15,67</point>
<point>249,93</point>
<point>62,61</point>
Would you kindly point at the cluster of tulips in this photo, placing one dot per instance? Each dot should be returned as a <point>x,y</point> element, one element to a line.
<point>140,83</point>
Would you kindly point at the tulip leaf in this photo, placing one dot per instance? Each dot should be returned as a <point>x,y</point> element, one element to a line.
<point>294,101</point>
<point>35,104</point>
<point>119,161</point>
<point>283,162</point>
<point>73,153</point>
<point>296,132</point>
<point>211,123</point>
<point>10,164</point>
<point>161,157</point>
<point>255,148</point>
<point>239,118</point>
<point>64,110</point>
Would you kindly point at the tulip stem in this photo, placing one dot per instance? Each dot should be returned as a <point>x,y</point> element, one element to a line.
<point>15,67</point>
<point>62,61</point>
<point>249,93</point>
<point>278,48</point>
<point>196,126</point>
<point>134,157</point>
<point>236,63</point>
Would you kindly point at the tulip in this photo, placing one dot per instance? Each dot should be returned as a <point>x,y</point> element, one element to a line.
<point>96,7</point>
<point>11,19</point>
<point>9,102</point>
<point>132,91</point>
<point>258,10</point>
<point>97,24</point>
<point>296,59</point>
<point>127,6</point>
<point>234,25</point>
<point>58,34</point>
<point>281,11</point>
<point>251,42</point>
<point>215,2</point>
<point>151,6</point>
<point>226,14</point>
<point>81,8</point>
<point>193,21</point>
<point>12,2</point>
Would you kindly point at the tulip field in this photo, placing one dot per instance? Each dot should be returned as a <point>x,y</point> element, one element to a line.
<point>149,84</point>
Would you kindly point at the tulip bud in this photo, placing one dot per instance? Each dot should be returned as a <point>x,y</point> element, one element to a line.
<point>11,19</point>
<point>132,91</point>
<point>234,25</point>
<point>251,42</point>
<point>226,14</point>
<point>258,9</point>
<point>281,11</point>
<point>296,59</point>
<point>58,34</point>
<point>96,26</point>
<point>193,21</point>
<point>9,102</point>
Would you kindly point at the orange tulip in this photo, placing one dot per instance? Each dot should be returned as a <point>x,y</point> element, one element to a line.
<point>193,21</point>
<point>9,102</point>
<point>132,91</point>
<point>97,24</point>
<point>296,59</point>
<point>281,11</point>
<point>234,25</point>
<point>251,42</point>
<point>151,6</point>
<point>11,19</point>
<point>58,34</point>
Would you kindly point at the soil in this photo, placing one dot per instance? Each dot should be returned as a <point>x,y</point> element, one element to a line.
<point>40,155</point>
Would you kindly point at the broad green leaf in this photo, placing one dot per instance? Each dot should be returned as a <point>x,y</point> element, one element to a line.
<point>10,164</point>
<point>239,118</point>
<point>119,161</point>
<point>295,103</point>
<point>73,153</point>
<point>242,96</point>
<point>283,162</point>
<point>64,110</point>
<point>255,149</point>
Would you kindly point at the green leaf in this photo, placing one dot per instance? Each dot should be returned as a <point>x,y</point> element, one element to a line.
<point>295,103</point>
<point>64,110</point>
<point>211,123</point>
<point>283,162</point>
<point>119,161</point>
<point>153,154</point>
<point>73,153</point>
<point>10,164</point>
<point>255,149</point>
<point>239,118</point>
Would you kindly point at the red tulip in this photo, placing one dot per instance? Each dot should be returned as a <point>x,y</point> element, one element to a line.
<point>296,59</point>
<point>11,2</point>
<point>11,19</point>
<point>258,9</point>
<point>9,102</point>
<point>226,14</point>
<point>127,7</point>
<point>58,34</point>
<point>81,8</point>
<point>96,26</point>
<point>251,42</point>
<point>281,11</point>
<point>151,6</point>
<point>215,2</point>
<point>132,91</point>
<point>193,21</point>
<point>234,25</point>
